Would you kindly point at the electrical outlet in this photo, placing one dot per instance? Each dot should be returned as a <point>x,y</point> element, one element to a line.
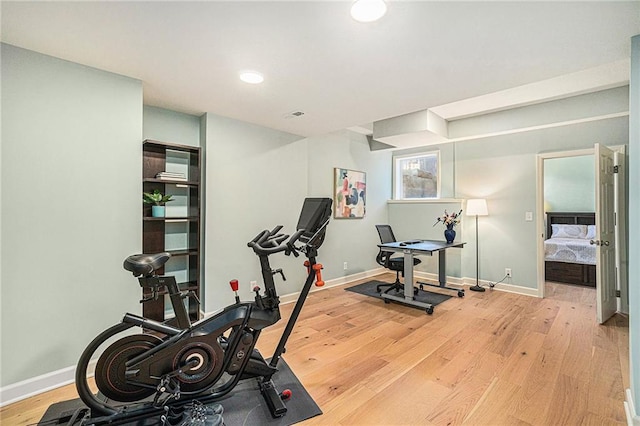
<point>507,272</point>
<point>253,284</point>
<point>345,266</point>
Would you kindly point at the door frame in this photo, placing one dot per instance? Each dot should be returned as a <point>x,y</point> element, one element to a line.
<point>622,235</point>
<point>621,219</point>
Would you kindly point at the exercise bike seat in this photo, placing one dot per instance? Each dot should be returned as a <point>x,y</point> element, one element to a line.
<point>145,264</point>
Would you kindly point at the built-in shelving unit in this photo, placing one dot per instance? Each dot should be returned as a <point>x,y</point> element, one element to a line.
<point>179,231</point>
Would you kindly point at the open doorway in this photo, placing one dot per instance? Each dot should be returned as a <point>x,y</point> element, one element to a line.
<point>572,250</point>
<point>568,195</point>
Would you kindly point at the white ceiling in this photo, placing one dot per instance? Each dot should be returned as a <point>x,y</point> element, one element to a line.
<point>317,59</point>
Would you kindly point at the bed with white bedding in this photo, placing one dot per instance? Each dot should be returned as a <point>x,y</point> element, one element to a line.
<point>569,256</point>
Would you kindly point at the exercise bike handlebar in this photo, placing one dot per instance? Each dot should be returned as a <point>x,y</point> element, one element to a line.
<point>270,242</point>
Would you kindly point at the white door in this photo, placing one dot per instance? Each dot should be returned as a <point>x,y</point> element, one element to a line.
<point>605,234</point>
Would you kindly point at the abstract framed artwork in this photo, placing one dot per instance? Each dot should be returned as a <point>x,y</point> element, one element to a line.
<point>349,193</point>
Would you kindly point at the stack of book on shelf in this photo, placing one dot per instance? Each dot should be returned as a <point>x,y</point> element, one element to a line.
<point>171,176</point>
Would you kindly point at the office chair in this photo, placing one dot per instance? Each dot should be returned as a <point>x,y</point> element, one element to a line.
<point>385,259</point>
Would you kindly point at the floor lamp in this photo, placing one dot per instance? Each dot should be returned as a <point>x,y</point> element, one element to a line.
<point>477,207</point>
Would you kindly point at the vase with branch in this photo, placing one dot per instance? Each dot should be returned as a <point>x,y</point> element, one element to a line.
<point>449,220</point>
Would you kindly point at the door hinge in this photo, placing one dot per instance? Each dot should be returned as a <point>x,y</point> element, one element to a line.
<point>616,169</point>
<point>617,293</point>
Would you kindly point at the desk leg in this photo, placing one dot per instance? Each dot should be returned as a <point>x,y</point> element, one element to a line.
<point>408,287</point>
<point>408,275</point>
<point>442,268</point>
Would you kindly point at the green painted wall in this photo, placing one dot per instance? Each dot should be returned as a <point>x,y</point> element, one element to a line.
<point>502,169</point>
<point>70,208</point>
<point>170,126</point>
<point>350,240</point>
<point>256,179</point>
<point>260,180</point>
<point>569,184</point>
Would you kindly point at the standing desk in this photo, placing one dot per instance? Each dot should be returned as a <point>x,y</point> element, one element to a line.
<point>420,247</point>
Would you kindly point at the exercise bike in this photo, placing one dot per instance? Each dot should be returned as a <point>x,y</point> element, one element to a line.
<point>171,363</point>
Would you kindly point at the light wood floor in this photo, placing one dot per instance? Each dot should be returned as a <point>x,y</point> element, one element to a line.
<point>491,358</point>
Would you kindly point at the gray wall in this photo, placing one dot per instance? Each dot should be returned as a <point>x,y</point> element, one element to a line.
<point>502,169</point>
<point>416,220</point>
<point>569,184</point>
<point>350,240</point>
<point>169,126</point>
<point>256,179</point>
<point>70,208</point>
<point>575,108</point>
<point>634,225</point>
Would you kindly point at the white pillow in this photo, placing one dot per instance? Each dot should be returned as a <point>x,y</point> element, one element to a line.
<point>591,232</point>
<point>568,231</point>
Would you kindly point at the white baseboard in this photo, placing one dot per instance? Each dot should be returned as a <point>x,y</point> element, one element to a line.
<point>40,384</point>
<point>292,297</point>
<point>630,410</point>
<point>465,281</point>
<point>451,281</point>
<point>509,288</point>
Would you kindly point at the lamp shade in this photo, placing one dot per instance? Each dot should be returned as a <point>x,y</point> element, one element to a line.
<point>477,207</point>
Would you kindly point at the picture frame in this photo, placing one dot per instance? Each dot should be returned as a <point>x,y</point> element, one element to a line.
<point>349,193</point>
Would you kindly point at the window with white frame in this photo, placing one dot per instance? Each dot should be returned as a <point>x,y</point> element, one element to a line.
<point>416,176</point>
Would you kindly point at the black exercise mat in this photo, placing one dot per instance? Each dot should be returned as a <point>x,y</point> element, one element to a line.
<point>369,289</point>
<point>244,405</point>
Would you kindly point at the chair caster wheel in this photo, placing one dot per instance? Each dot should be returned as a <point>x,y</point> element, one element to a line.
<point>415,291</point>
<point>430,310</point>
<point>386,301</point>
<point>460,293</point>
<point>421,287</point>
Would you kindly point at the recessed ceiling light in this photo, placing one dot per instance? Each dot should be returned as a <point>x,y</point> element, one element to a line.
<point>251,77</point>
<point>368,10</point>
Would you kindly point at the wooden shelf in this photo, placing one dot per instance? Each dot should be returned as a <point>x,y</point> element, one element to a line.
<point>150,143</point>
<point>171,181</point>
<point>172,219</point>
<point>157,157</point>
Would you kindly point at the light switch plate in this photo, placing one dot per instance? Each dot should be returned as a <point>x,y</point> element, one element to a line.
<point>528,216</point>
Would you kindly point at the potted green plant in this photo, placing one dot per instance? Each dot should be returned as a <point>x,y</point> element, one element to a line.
<point>157,201</point>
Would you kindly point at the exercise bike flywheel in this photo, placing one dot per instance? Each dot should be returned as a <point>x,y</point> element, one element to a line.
<point>110,369</point>
<point>206,363</point>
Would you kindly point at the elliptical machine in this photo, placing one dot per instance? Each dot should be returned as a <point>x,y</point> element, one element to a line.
<point>169,364</point>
